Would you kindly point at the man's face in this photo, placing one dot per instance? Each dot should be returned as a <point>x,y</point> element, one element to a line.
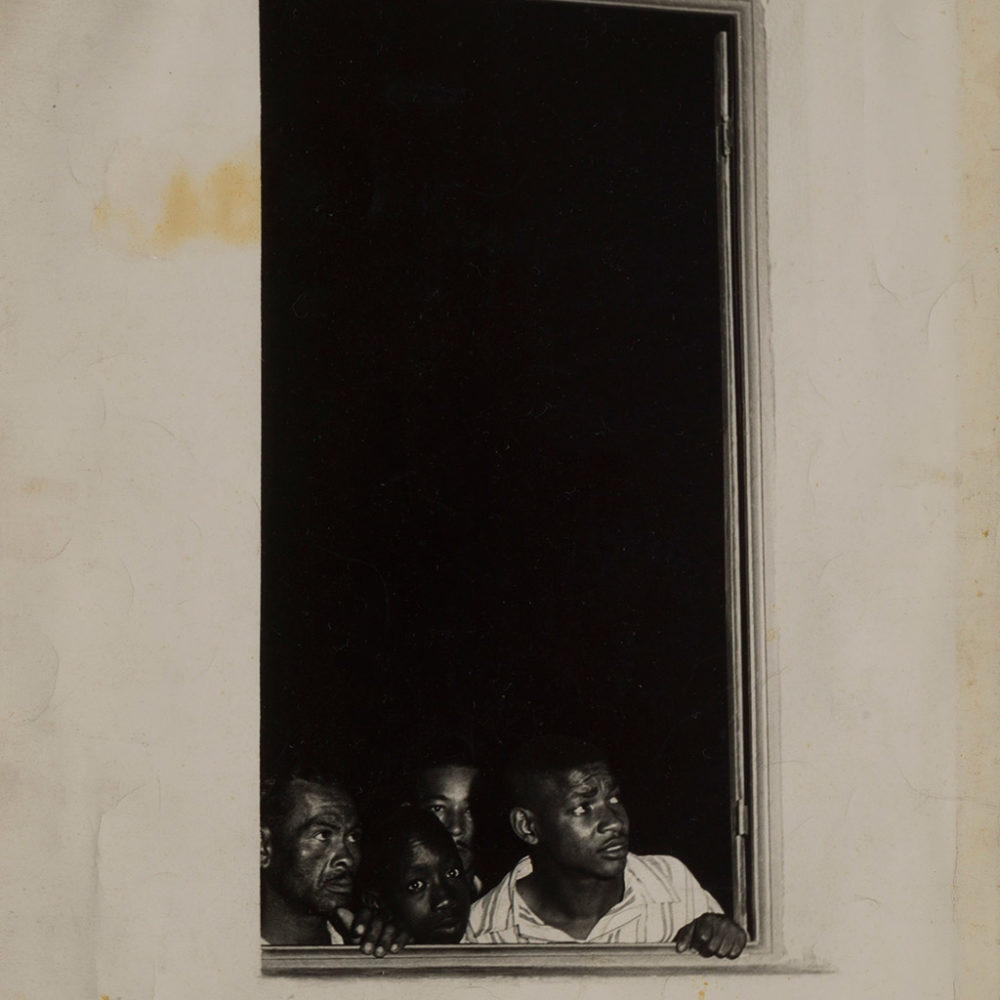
<point>445,792</point>
<point>313,852</point>
<point>580,822</point>
<point>430,895</point>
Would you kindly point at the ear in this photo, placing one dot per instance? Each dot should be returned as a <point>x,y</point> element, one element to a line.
<point>522,822</point>
<point>266,848</point>
<point>371,899</point>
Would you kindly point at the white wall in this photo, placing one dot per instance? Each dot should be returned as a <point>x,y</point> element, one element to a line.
<point>129,498</point>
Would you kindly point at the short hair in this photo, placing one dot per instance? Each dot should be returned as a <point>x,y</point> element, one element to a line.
<point>384,846</point>
<point>438,751</point>
<point>542,757</point>
<point>276,789</point>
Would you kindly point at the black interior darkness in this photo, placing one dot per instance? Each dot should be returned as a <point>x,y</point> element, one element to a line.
<point>493,415</point>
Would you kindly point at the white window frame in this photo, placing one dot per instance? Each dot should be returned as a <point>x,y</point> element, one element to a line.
<point>749,447</point>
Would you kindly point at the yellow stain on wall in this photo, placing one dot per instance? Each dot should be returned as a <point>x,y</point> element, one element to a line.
<point>234,195</point>
<point>44,486</point>
<point>223,206</point>
<point>182,217</point>
<point>102,213</point>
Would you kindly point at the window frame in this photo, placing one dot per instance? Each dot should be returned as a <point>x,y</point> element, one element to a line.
<point>753,702</point>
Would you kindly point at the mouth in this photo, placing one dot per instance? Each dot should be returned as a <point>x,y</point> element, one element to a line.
<point>448,926</point>
<point>614,849</point>
<point>341,886</point>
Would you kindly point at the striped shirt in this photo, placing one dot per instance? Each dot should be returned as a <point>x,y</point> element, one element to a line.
<point>661,896</point>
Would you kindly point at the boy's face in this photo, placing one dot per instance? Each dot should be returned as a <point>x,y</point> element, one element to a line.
<point>445,791</point>
<point>580,822</point>
<point>431,895</point>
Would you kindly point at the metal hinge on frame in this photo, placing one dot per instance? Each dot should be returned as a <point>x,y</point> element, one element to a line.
<point>741,818</point>
<point>723,137</point>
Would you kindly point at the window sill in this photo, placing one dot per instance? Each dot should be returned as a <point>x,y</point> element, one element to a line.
<point>520,960</point>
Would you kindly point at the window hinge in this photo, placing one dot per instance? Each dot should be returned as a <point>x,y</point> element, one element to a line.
<point>742,818</point>
<point>723,137</point>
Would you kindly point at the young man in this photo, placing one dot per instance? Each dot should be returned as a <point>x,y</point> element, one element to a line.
<point>412,875</point>
<point>310,848</point>
<point>442,783</point>
<point>579,881</point>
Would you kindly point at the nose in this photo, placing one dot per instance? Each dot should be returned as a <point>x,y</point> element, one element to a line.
<point>338,866</point>
<point>613,818</point>
<point>343,856</point>
<point>459,824</point>
<point>442,896</point>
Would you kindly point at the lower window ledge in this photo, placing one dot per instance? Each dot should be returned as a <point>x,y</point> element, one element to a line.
<point>556,959</point>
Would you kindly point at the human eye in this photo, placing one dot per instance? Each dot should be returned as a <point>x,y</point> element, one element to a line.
<point>417,885</point>
<point>453,873</point>
<point>354,837</point>
<point>436,808</point>
<point>580,810</point>
<point>615,797</point>
<point>322,833</point>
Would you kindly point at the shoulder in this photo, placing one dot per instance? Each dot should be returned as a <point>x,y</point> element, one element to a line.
<point>662,878</point>
<point>659,874</point>
<point>660,863</point>
<point>493,911</point>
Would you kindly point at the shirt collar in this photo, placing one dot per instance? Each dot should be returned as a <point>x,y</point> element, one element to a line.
<point>531,927</point>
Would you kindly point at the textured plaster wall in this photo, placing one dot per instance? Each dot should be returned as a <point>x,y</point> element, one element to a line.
<point>129,434</point>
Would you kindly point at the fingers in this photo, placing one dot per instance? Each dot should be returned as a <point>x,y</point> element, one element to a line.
<point>729,941</point>
<point>403,938</point>
<point>393,939</point>
<point>715,933</point>
<point>370,935</point>
<point>712,935</point>
<point>704,934</point>
<point>361,922</point>
<point>684,936</point>
<point>385,939</point>
<point>739,942</point>
<point>378,936</point>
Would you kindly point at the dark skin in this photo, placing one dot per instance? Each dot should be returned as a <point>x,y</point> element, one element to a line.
<point>712,935</point>
<point>428,892</point>
<point>578,831</point>
<point>445,791</point>
<point>309,859</point>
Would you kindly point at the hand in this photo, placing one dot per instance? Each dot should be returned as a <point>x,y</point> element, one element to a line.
<point>377,936</point>
<point>712,935</point>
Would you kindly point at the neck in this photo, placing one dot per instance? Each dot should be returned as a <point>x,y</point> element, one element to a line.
<point>282,923</point>
<point>573,896</point>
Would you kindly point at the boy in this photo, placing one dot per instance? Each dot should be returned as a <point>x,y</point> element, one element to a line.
<point>442,784</point>
<point>413,877</point>
<point>579,881</point>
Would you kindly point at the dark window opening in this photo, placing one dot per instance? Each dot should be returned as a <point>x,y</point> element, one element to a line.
<point>494,495</point>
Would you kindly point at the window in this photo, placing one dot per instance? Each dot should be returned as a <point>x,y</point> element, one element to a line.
<point>512,408</point>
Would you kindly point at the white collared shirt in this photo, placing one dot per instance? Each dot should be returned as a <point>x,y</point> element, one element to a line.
<point>661,896</point>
